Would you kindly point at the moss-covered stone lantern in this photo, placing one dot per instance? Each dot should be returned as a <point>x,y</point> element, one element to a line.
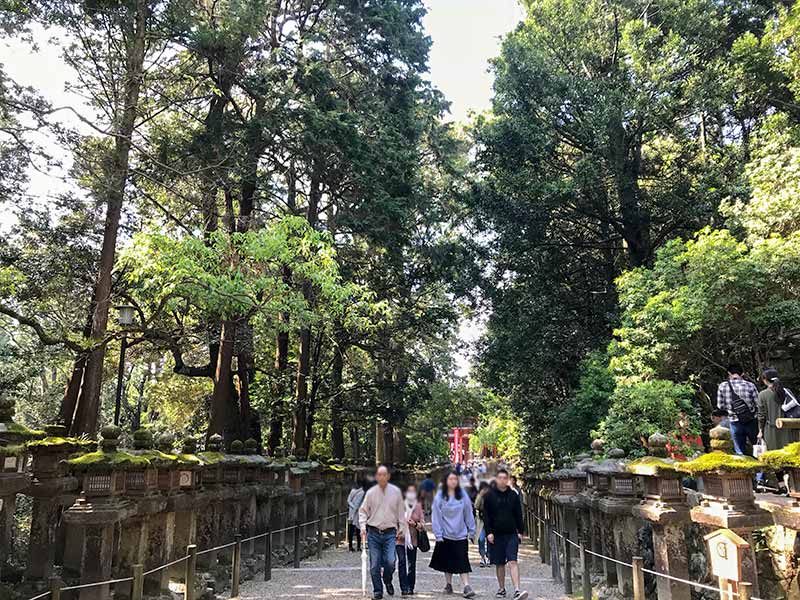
<point>597,479</point>
<point>727,484</point>
<point>664,506</point>
<point>786,459</point>
<point>728,498</point>
<point>142,480</point>
<point>233,465</point>
<point>663,495</point>
<point>103,472</point>
<point>213,458</point>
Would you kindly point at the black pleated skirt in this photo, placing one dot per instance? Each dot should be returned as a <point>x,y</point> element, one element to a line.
<point>451,556</point>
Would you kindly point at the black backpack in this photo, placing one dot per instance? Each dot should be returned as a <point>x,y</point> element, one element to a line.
<point>740,408</point>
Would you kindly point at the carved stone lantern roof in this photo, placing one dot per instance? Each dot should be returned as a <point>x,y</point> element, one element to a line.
<point>664,500</point>
<point>728,499</point>
<point>571,482</point>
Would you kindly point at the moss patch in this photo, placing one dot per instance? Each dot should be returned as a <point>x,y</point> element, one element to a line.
<point>67,442</point>
<point>788,456</point>
<point>651,465</point>
<point>337,468</point>
<point>720,461</point>
<point>212,458</point>
<point>12,450</point>
<point>23,430</point>
<point>117,460</point>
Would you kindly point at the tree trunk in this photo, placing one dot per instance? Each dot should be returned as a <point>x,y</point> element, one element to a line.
<point>301,391</point>
<point>282,341</point>
<point>88,408</point>
<point>354,445</point>
<point>300,415</point>
<point>337,430</point>
<point>223,419</point>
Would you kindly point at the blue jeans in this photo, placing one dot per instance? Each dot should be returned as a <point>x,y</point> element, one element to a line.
<point>381,556</point>
<point>482,542</point>
<point>407,568</point>
<point>741,433</point>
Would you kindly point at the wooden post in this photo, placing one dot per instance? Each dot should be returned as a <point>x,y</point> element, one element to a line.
<point>296,561</point>
<point>55,588</point>
<point>236,568</point>
<point>320,536</point>
<point>567,565</point>
<point>191,566</point>
<point>542,537</point>
<point>138,582</point>
<point>586,575</point>
<point>638,578</point>
<point>745,590</point>
<point>268,555</point>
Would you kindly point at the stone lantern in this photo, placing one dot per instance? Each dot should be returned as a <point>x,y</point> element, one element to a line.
<point>571,482</point>
<point>100,508</point>
<point>212,460</point>
<point>102,472</point>
<point>619,528</point>
<point>727,484</point>
<point>787,459</point>
<point>142,479</point>
<point>728,500</point>
<point>664,506</point>
<point>13,475</point>
<point>52,490</point>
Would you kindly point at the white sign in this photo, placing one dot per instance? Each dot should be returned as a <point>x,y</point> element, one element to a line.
<point>185,479</point>
<point>725,550</point>
<point>10,462</point>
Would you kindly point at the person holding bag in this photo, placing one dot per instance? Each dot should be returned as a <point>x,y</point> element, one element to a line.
<point>776,402</point>
<point>739,398</point>
<point>408,541</point>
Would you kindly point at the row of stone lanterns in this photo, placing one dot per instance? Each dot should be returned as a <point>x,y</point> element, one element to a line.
<point>602,501</point>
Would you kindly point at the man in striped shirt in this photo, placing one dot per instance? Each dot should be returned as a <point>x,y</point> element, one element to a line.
<point>742,430</point>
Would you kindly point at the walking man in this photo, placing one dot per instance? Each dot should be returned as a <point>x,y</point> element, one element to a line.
<point>739,398</point>
<point>502,521</point>
<point>380,517</point>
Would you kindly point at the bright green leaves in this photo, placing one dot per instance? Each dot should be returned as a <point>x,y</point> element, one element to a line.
<point>240,275</point>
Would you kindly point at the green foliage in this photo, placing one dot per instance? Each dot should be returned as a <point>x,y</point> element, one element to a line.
<point>500,431</point>
<point>640,408</point>
<point>572,432</point>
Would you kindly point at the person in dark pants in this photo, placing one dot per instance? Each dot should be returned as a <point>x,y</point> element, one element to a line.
<point>354,500</point>
<point>504,526</point>
<point>380,517</point>
<point>407,541</point>
<point>739,398</point>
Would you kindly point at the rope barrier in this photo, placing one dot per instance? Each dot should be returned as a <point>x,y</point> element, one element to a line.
<point>214,549</point>
<point>183,558</point>
<point>69,588</point>
<point>166,566</point>
<point>694,584</point>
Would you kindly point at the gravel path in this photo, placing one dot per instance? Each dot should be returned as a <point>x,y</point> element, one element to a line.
<point>338,576</point>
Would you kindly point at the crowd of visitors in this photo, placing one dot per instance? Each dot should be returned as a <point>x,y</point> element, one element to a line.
<point>392,524</point>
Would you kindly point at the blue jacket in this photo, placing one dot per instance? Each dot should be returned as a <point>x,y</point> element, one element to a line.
<point>453,519</point>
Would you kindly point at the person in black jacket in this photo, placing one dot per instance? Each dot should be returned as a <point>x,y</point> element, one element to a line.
<point>502,520</point>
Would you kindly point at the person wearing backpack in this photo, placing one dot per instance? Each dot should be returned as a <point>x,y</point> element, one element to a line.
<point>739,398</point>
<point>774,403</point>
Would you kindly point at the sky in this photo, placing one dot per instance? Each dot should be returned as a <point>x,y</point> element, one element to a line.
<point>466,34</point>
